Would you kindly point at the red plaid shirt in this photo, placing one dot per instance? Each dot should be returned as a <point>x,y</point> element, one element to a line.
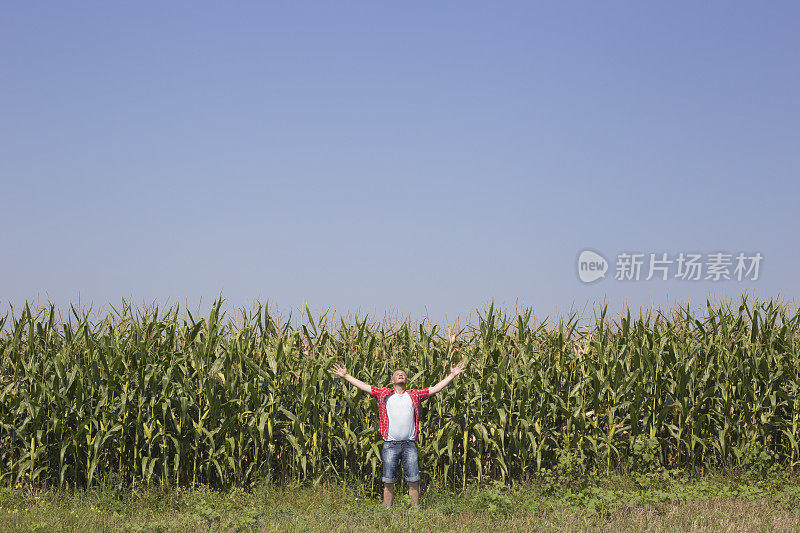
<point>382,394</point>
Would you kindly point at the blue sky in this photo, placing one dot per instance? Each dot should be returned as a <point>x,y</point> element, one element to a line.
<point>393,159</point>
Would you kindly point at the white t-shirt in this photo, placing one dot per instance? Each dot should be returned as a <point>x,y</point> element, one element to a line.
<point>401,417</point>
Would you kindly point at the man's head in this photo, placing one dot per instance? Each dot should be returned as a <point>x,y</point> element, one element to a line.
<point>399,378</point>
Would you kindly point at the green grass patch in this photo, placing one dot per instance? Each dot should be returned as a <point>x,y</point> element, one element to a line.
<point>658,502</point>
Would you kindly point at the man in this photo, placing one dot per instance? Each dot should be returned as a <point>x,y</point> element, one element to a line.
<point>398,410</point>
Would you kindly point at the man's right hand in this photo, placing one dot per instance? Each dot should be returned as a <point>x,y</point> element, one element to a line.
<point>341,371</point>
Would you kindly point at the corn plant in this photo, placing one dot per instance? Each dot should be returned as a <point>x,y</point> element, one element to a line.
<point>145,396</point>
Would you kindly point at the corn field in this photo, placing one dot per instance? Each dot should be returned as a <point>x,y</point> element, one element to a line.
<point>143,397</point>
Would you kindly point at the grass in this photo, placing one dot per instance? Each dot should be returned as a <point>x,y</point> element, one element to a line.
<point>608,504</point>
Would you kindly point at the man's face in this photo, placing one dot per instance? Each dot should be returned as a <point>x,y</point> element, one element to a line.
<point>399,378</point>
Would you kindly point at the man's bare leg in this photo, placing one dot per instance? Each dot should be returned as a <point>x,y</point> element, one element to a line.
<point>388,494</point>
<point>413,492</point>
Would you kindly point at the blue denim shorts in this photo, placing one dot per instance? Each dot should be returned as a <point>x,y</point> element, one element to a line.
<point>393,452</point>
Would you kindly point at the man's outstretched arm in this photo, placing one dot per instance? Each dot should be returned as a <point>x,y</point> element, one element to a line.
<point>454,371</point>
<point>341,371</point>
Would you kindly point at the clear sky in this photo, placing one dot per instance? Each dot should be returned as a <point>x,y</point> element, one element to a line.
<point>410,159</point>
